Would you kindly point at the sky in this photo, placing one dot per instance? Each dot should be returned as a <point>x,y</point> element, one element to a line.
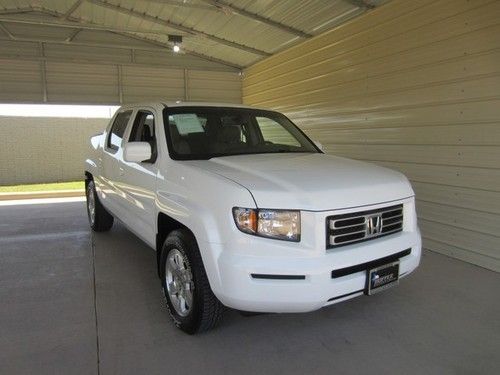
<point>53,110</point>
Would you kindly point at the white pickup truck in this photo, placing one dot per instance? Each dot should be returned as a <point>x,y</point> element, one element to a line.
<point>245,211</point>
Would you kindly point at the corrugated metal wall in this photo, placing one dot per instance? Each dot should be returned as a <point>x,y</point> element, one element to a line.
<point>52,73</point>
<point>414,86</point>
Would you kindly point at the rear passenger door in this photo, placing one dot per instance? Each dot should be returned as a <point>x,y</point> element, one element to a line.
<point>111,163</point>
<point>138,182</point>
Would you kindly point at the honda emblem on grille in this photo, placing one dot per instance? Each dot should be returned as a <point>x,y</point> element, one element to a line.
<point>373,225</point>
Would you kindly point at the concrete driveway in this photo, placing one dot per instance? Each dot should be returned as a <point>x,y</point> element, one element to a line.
<point>76,303</point>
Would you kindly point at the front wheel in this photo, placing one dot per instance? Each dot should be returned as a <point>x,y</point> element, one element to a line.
<point>191,303</point>
<point>100,220</point>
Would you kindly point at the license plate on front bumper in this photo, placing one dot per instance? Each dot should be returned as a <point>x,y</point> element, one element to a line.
<point>382,277</point>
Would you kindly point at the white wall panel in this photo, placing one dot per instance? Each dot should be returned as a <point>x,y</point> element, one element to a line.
<point>414,86</point>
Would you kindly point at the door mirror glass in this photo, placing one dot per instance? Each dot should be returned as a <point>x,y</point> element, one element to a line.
<point>137,152</point>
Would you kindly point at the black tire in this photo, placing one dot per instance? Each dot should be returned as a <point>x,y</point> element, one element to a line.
<point>206,310</point>
<point>103,220</point>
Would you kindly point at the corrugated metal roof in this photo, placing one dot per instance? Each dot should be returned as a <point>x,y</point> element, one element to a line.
<point>237,32</point>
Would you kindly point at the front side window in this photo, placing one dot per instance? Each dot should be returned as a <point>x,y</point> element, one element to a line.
<point>205,132</point>
<point>118,129</point>
<point>274,133</point>
<point>143,130</point>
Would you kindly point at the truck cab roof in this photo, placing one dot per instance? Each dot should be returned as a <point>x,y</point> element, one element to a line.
<point>178,103</point>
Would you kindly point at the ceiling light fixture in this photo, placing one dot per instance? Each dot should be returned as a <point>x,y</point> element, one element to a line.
<point>176,40</point>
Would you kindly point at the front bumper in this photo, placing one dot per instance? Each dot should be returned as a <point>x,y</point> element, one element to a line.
<point>237,288</point>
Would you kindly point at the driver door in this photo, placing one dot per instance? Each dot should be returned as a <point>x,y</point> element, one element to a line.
<point>138,181</point>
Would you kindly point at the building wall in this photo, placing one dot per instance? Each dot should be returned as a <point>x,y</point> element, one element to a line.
<point>414,86</point>
<point>44,149</point>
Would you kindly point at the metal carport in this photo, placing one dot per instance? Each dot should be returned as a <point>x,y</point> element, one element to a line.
<point>409,85</point>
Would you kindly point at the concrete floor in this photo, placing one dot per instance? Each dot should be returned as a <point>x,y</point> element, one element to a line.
<point>444,319</point>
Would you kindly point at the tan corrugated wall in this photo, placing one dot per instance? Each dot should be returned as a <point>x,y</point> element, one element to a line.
<point>414,86</point>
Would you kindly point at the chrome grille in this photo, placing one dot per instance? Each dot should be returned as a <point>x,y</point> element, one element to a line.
<point>361,226</point>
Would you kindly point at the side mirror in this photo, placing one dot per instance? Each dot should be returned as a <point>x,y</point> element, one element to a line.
<point>136,152</point>
<point>319,145</point>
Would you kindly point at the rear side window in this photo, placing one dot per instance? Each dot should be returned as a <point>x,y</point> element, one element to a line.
<point>118,129</point>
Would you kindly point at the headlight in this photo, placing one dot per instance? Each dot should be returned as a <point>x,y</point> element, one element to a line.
<point>278,224</point>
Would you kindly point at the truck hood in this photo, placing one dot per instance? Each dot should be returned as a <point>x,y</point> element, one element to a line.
<point>315,182</point>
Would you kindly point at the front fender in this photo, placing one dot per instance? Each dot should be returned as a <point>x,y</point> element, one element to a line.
<point>203,202</point>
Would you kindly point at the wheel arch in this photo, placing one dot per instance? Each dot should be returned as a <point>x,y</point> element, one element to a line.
<point>165,225</point>
<point>88,177</point>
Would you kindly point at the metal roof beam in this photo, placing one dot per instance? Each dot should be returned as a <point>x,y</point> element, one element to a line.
<point>73,35</point>
<point>72,9</point>
<point>74,23</point>
<point>83,44</point>
<point>184,4</point>
<point>17,10</point>
<point>176,26</point>
<point>256,17</point>
<point>363,4</point>
<point>6,31</point>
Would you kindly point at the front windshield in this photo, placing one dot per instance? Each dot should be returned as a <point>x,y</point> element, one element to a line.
<point>195,133</point>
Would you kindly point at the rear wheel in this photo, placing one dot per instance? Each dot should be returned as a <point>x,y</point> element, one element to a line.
<point>191,303</point>
<point>100,220</point>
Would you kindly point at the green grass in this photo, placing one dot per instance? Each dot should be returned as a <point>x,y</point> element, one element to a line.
<point>76,185</point>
